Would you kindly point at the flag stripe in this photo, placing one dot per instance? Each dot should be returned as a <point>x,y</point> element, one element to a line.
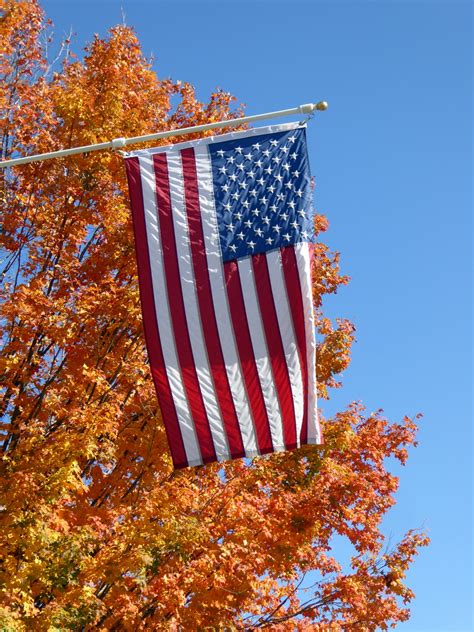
<point>260,351</point>
<point>294,360</point>
<point>162,314</point>
<point>152,337</point>
<point>191,305</point>
<point>295,300</point>
<point>275,347</point>
<point>206,308</point>
<point>222,307</point>
<point>304,270</point>
<point>177,310</point>
<point>247,359</point>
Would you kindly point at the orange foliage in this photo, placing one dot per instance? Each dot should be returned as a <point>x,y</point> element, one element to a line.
<point>97,532</point>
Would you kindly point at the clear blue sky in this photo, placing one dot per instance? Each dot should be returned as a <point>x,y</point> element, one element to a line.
<point>393,163</point>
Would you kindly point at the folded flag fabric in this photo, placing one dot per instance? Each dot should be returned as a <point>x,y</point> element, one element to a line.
<point>223,234</point>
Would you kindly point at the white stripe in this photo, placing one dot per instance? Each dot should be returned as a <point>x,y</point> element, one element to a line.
<point>288,337</point>
<point>173,371</point>
<point>219,298</point>
<point>260,351</point>
<point>191,306</point>
<point>304,271</point>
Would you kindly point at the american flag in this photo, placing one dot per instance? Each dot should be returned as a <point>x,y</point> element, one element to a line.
<point>223,234</point>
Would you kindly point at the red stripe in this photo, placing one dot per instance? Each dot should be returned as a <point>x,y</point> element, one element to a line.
<point>206,306</point>
<point>275,348</point>
<point>150,324</point>
<point>177,311</point>
<point>295,300</point>
<point>247,358</point>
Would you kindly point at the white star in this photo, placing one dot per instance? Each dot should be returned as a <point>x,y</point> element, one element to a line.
<point>289,185</point>
<point>301,213</point>
<point>269,241</point>
<point>225,187</point>
<point>294,155</point>
<point>280,197</point>
<point>278,177</point>
<point>246,204</point>
<point>240,166</point>
<point>233,247</point>
<point>294,224</point>
<point>231,159</point>
<point>253,192</point>
<point>258,163</point>
<point>258,231</point>
<point>256,146</point>
<point>233,177</point>
<point>284,216</point>
<point>260,181</point>
<point>227,206</point>
<point>274,143</point>
<point>230,227</point>
<point>276,159</point>
<point>240,236</point>
<point>255,212</point>
<point>223,170</point>
<point>277,229</point>
<point>292,205</point>
<point>286,166</point>
<point>287,237</point>
<point>268,170</point>
<point>235,196</point>
<point>251,244</point>
<point>299,192</point>
<point>292,139</point>
<point>248,223</point>
<point>263,200</point>
<point>296,173</point>
<point>251,174</point>
<point>238,216</point>
<point>285,149</point>
<point>266,152</point>
<point>274,208</point>
<point>242,185</point>
<point>266,220</point>
<point>238,150</point>
<point>271,188</point>
<point>220,153</point>
<point>248,156</point>
<point>304,234</point>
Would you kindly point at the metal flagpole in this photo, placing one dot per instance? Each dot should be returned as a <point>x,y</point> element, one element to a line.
<point>117,143</point>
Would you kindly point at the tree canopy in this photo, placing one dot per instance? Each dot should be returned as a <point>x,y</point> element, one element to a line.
<point>97,531</point>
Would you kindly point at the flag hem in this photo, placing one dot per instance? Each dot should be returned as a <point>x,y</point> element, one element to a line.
<point>251,454</point>
<point>207,140</point>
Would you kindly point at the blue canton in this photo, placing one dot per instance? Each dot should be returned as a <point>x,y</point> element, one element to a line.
<point>262,192</point>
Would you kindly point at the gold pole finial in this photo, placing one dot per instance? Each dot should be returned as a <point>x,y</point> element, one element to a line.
<point>322,105</point>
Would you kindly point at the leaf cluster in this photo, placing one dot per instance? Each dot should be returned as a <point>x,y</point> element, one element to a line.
<point>97,531</point>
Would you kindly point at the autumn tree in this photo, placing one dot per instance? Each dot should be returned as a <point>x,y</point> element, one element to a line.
<point>97,531</point>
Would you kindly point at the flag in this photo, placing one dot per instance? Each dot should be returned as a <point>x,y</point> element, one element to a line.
<point>223,233</point>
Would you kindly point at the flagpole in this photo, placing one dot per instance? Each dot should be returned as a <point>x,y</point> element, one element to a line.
<point>117,143</point>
